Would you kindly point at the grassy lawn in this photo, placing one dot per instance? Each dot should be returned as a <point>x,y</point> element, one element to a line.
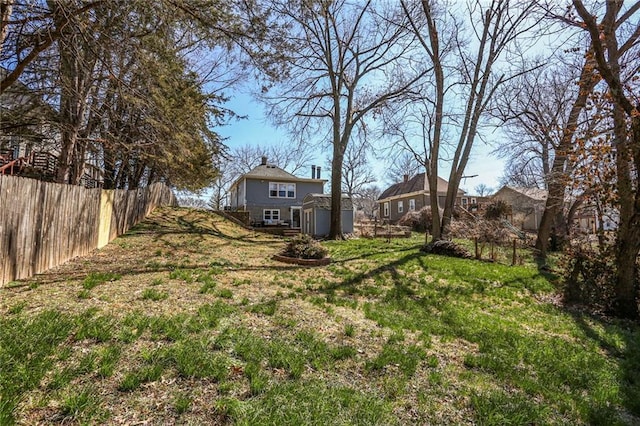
<point>186,319</point>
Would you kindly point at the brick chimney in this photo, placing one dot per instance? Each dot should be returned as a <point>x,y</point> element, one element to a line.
<point>406,178</point>
<point>318,172</point>
<point>313,171</point>
<point>264,160</point>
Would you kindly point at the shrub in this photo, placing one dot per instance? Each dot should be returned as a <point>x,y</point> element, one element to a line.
<point>589,277</point>
<point>418,220</point>
<point>304,247</point>
<point>486,231</point>
<point>496,210</point>
<point>446,248</point>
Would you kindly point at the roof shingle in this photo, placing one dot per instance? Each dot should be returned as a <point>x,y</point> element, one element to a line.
<point>414,184</point>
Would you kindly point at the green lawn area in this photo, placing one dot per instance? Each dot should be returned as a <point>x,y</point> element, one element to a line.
<point>186,319</point>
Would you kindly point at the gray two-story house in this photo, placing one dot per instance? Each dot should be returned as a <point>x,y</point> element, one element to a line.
<point>273,196</point>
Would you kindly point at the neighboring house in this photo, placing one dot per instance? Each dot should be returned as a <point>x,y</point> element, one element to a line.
<point>413,194</point>
<point>23,126</point>
<point>316,210</point>
<point>29,143</point>
<point>475,204</point>
<point>273,196</point>
<point>527,205</point>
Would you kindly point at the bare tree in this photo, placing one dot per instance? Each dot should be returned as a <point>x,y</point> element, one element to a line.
<point>351,60</point>
<point>543,111</point>
<point>571,129</point>
<point>367,201</point>
<point>357,173</point>
<point>609,49</point>
<point>293,159</point>
<point>470,75</point>
<point>403,163</point>
<point>532,110</point>
<point>220,188</point>
<point>483,190</point>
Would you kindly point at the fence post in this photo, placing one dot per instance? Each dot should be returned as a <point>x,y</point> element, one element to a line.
<point>477,252</point>
<point>514,257</point>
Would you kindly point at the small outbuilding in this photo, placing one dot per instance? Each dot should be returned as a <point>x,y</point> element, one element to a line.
<point>316,217</point>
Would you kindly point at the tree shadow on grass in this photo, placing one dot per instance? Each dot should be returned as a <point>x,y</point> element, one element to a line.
<point>392,268</point>
<point>626,354</point>
<point>370,254</point>
<point>196,226</point>
<point>127,273</point>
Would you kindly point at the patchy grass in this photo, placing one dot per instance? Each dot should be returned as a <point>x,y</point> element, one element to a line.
<point>94,279</point>
<point>154,295</point>
<point>186,319</point>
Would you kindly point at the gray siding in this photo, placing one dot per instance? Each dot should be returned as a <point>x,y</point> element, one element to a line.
<point>347,221</point>
<point>258,197</point>
<point>321,221</point>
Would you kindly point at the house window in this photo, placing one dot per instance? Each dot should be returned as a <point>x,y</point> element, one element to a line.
<point>473,201</point>
<point>271,215</point>
<point>282,190</point>
<point>464,203</point>
<point>412,205</point>
<point>400,206</point>
<point>385,208</point>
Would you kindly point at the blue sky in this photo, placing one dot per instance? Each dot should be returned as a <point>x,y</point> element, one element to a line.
<point>257,130</point>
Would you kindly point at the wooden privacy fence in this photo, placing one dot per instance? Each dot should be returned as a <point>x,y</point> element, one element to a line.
<point>45,224</point>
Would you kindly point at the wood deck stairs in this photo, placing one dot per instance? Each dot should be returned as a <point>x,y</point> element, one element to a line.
<point>291,232</point>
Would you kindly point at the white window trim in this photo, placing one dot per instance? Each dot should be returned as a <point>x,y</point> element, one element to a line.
<point>271,211</point>
<point>286,190</point>
<point>385,209</point>
<point>400,206</point>
<point>412,204</point>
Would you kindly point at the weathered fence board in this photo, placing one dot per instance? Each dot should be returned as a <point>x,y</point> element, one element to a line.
<point>45,224</point>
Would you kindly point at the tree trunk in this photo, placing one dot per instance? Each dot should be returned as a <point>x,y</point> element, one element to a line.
<point>436,231</point>
<point>335,229</point>
<point>628,234</point>
<point>552,208</point>
<point>76,67</point>
<point>431,175</point>
<point>626,286</point>
<point>5,14</point>
<point>556,179</point>
<point>627,145</point>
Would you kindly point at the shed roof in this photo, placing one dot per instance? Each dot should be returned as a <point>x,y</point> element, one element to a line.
<point>323,201</point>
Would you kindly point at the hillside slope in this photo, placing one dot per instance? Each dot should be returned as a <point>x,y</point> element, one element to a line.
<point>186,319</point>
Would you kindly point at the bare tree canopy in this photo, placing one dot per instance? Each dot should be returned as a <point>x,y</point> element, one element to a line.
<point>467,69</point>
<point>351,60</point>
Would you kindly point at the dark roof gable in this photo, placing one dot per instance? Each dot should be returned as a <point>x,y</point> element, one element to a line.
<point>415,184</point>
